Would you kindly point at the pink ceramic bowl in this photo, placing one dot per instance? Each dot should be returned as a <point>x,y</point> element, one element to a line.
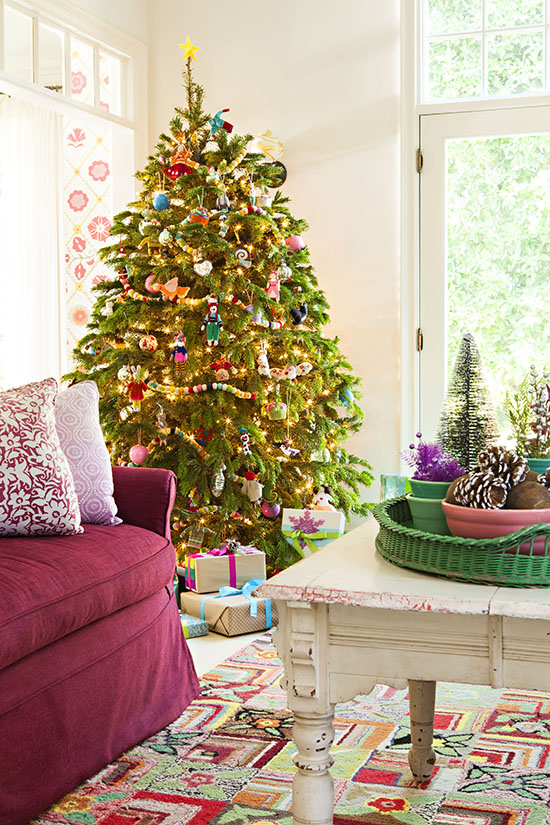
<point>471,523</point>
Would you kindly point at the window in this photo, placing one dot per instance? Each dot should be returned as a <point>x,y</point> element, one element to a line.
<point>483,125</point>
<point>484,48</point>
<point>64,94</point>
<point>62,61</point>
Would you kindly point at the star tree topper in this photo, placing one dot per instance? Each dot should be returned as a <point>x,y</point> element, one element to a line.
<point>189,50</point>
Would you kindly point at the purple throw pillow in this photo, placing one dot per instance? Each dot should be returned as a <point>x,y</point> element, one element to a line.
<point>79,430</point>
<point>37,491</point>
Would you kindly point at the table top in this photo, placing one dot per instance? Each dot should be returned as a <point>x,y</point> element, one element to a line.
<point>350,571</point>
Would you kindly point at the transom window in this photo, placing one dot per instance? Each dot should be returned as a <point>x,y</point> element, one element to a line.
<point>38,51</point>
<point>484,48</point>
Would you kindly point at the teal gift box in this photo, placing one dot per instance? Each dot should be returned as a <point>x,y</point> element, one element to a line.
<point>309,530</point>
<point>193,626</point>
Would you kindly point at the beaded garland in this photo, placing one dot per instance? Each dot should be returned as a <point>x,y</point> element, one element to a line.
<point>153,385</point>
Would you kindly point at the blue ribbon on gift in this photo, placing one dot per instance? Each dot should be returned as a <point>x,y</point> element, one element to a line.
<point>246,590</point>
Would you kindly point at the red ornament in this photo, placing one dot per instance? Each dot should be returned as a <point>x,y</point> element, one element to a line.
<point>176,170</point>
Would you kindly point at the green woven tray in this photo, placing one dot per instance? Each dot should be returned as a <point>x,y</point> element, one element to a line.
<point>485,561</point>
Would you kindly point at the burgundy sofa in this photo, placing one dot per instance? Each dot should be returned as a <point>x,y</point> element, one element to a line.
<point>92,654</point>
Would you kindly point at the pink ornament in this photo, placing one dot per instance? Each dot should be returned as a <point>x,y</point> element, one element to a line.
<point>150,286</point>
<point>295,243</point>
<point>138,453</point>
<point>271,510</point>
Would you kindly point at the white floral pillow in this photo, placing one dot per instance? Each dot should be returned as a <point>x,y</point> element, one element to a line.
<point>37,492</point>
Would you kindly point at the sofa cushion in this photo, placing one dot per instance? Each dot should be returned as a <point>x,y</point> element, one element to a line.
<point>37,493</point>
<point>79,431</point>
<point>51,586</point>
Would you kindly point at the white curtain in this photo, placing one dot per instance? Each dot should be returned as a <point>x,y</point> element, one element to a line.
<point>31,257</point>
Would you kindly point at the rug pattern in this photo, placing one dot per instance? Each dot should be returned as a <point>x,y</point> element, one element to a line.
<point>228,759</point>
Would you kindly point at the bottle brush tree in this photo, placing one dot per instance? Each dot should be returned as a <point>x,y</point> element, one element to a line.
<point>208,347</point>
<point>467,424</point>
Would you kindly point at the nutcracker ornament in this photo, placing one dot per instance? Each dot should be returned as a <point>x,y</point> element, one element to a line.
<point>179,352</point>
<point>212,323</point>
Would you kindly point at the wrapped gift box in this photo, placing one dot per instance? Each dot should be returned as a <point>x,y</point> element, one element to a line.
<point>207,572</point>
<point>193,626</point>
<point>309,530</point>
<point>230,615</point>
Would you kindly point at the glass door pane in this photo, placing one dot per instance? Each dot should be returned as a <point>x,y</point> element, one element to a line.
<point>485,249</point>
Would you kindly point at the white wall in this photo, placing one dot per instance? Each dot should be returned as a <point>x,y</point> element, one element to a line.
<point>324,77</point>
<point>129,16</point>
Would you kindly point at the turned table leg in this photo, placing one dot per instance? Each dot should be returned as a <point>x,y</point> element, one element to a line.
<point>421,705</point>
<point>313,787</point>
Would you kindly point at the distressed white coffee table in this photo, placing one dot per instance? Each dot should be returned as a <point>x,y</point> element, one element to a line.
<point>348,619</point>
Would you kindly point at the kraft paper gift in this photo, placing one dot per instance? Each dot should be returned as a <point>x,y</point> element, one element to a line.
<point>231,615</point>
<point>207,572</point>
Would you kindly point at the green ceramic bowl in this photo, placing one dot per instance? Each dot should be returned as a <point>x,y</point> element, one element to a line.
<point>429,489</point>
<point>428,516</point>
<point>539,465</point>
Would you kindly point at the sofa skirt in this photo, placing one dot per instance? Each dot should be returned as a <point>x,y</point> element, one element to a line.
<point>72,707</point>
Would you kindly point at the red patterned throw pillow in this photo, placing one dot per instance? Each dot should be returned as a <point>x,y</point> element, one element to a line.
<point>37,492</point>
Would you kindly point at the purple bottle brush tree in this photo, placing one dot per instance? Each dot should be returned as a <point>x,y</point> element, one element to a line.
<point>430,462</point>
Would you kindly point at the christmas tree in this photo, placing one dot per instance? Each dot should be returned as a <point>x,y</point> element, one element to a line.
<point>467,424</point>
<point>208,345</point>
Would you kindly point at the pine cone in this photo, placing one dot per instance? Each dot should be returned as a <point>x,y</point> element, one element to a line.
<point>503,464</point>
<point>481,490</point>
<point>544,479</point>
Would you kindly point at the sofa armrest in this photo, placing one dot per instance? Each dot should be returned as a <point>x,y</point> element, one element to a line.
<point>145,497</point>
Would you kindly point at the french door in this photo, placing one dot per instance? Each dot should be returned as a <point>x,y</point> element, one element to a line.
<point>484,248</point>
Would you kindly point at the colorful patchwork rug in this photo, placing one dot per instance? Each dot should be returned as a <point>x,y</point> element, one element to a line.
<point>228,759</point>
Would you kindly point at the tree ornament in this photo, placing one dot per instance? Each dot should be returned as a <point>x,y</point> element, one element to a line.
<point>481,490</point>
<point>243,256</point>
<point>270,510</point>
<point>252,487</point>
<point>217,122</point>
<point>176,170</point>
<point>189,50</point>
<point>148,343</point>
<point>504,464</point>
<point>245,441</point>
<point>138,453</point>
<point>223,369</point>
<point>467,425</point>
<point>218,482</point>
<point>179,352</point>
<point>263,363</point>
<point>346,397</point>
<point>299,315</point>
<point>276,410</point>
<point>281,176</point>
<point>200,216</point>
<point>107,310</point>
<point>171,290</point>
<point>161,202</point>
<point>222,202</point>
<point>165,237</point>
<point>124,374</point>
<point>263,198</point>
<point>137,388</point>
<point>212,322</point>
<point>150,284</point>
<point>295,243</point>
<point>202,267</point>
<point>284,271</point>
<point>272,288</point>
<point>287,449</point>
<point>88,349</point>
<point>323,500</point>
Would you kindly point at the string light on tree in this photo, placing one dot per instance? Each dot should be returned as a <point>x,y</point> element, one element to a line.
<point>209,261</point>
